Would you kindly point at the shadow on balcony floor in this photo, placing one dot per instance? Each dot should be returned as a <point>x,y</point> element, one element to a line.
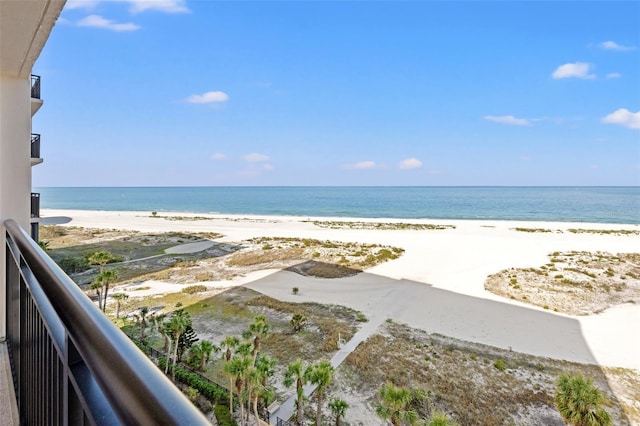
<point>8,408</point>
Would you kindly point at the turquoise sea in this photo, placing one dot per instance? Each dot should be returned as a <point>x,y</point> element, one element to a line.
<point>564,204</point>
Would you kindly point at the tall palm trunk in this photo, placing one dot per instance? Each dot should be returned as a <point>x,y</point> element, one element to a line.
<point>231,394</point>
<point>255,409</point>
<point>300,392</point>
<point>166,365</point>
<point>175,356</point>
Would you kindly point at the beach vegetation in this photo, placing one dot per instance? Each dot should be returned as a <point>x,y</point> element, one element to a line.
<point>499,364</point>
<point>297,322</point>
<point>394,405</point>
<point>338,408</point>
<point>295,290</point>
<point>296,374</point>
<point>579,402</point>
<point>193,289</point>
<point>385,226</point>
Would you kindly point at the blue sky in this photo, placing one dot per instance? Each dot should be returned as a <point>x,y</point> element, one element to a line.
<point>172,93</point>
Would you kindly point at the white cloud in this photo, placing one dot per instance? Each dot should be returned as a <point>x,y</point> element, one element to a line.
<point>410,163</point>
<point>254,157</point>
<point>167,6</point>
<point>218,156</point>
<point>612,45</point>
<point>623,117</point>
<point>81,4</point>
<point>268,167</point>
<point>97,21</point>
<point>208,97</point>
<point>576,69</point>
<point>507,119</point>
<point>614,75</point>
<point>362,165</point>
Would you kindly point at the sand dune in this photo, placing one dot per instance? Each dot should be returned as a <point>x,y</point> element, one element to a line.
<point>438,284</point>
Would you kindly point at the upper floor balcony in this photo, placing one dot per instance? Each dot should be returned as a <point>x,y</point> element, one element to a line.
<point>70,365</point>
<point>36,101</point>
<point>35,205</point>
<point>35,149</point>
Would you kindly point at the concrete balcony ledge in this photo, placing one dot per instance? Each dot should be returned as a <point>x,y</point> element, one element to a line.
<point>8,407</point>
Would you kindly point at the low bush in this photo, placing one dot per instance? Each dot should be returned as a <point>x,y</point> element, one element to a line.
<point>500,365</point>
<point>223,416</point>
<point>193,289</point>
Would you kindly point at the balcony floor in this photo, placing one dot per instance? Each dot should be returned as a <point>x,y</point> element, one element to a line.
<point>8,407</point>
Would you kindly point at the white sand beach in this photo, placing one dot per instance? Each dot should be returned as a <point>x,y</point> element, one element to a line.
<point>437,284</point>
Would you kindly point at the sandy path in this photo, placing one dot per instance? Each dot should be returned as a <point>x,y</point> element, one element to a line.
<point>438,284</point>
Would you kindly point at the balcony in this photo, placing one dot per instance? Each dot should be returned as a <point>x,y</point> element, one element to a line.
<point>35,205</point>
<point>70,365</point>
<point>35,149</point>
<point>36,102</point>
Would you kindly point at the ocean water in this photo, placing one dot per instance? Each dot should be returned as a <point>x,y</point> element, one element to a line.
<point>563,204</point>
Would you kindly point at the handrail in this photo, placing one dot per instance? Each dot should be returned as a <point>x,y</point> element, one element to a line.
<point>136,390</point>
<point>35,86</point>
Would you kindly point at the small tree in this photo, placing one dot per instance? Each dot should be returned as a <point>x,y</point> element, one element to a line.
<point>105,279</point>
<point>295,373</point>
<point>338,408</point>
<point>320,375</point>
<point>177,325</point>
<point>229,343</point>
<point>100,258</point>
<point>141,317</point>
<point>298,321</point>
<point>579,402</point>
<point>394,405</point>
<point>258,329</point>
<point>119,297</point>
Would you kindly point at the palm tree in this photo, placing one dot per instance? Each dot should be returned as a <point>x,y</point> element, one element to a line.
<point>393,405</point>
<point>338,408</point>
<point>580,402</point>
<point>119,298</point>
<point>257,388</point>
<point>320,375</point>
<point>258,328</point>
<point>207,349</point>
<point>100,258</point>
<point>104,279</point>
<point>296,374</point>
<point>237,368</point>
<point>98,288</point>
<point>178,324</point>
<point>297,322</point>
<point>229,343</point>
<point>142,320</point>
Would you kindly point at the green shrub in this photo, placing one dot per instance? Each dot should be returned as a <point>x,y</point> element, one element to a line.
<point>73,265</point>
<point>223,416</point>
<point>361,317</point>
<point>499,364</point>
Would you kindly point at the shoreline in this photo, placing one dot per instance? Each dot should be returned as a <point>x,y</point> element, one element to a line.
<point>456,261</point>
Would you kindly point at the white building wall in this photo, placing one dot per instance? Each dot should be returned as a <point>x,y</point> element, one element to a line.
<point>15,166</point>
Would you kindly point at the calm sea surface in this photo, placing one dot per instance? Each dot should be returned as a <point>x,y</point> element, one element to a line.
<point>565,204</point>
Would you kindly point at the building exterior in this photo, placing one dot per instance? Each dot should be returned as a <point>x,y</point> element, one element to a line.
<point>61,360</point>
<point>25,26</point>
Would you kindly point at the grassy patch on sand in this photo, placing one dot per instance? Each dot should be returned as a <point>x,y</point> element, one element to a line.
<point>577,283</point>
<point>382,226</point>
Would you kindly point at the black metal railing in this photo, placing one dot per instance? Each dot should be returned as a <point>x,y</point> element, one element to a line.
<point>35,205</point>
<point>35,86</point>
<point>70,364</point>
<point>35,145</point>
